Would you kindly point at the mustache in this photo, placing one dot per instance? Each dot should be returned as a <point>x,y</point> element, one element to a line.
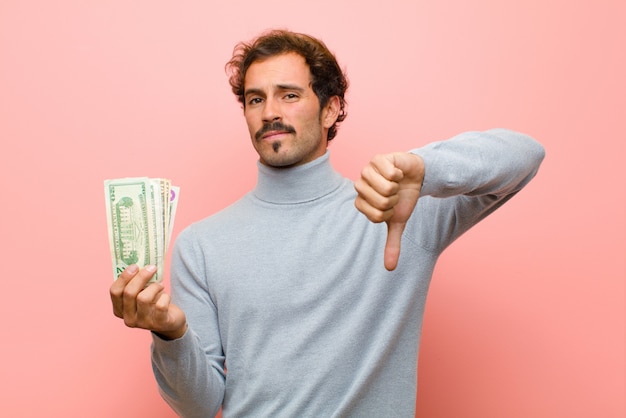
<point>274,126</point>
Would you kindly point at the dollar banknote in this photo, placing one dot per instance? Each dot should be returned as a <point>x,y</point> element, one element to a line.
<point>140,219</point>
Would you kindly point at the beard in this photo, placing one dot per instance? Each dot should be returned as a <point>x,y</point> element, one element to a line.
<point>290,148</point>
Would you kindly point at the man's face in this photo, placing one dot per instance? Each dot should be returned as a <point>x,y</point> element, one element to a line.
<point>283,113</point>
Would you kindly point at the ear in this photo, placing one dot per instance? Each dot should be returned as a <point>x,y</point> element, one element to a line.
<point>330,113</point>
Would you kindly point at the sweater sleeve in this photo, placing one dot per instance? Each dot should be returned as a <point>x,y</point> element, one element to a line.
<point>468,177</point>
<point>190,370</point>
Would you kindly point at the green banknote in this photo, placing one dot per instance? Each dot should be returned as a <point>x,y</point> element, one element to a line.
<point>140,218</point>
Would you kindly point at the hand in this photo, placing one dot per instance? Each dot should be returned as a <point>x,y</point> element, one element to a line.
<point>387,192</point>
<point>146,307</point>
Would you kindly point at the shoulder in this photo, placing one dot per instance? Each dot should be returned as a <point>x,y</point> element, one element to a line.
<point>216,223</point>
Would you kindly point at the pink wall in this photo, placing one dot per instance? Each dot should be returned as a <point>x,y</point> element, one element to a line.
<point>526,313</point>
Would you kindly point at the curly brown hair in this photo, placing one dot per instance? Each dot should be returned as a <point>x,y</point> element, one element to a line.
<point>328,78</point>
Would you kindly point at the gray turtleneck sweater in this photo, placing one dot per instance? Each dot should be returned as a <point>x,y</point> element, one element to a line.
<point>291,312</point>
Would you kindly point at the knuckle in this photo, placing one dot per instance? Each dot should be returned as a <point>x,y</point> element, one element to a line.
<point>388,188</point>
<point>379,157</point>
<point>384,203</point>
<point>143,299</point>
<point>377,216</point>
<point>115,293</point>
<point>161,305</point>
<point>364,174</point>
<point>130,322</point>
<point>358,185</point>
<point>357,204</point>
<point>128,294</point>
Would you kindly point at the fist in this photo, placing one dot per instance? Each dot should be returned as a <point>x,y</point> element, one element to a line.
<point>387,191</point>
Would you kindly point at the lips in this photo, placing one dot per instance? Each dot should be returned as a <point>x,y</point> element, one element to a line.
<point>271,134</point>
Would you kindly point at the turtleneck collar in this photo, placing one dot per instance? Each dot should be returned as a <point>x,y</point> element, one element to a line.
<point>298,184</point>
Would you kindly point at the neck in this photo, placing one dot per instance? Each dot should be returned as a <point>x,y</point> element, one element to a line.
<point>298,184</point>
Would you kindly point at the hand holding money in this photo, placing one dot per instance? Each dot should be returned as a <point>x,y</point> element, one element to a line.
<point>140,218</point>
<point>147,307</point>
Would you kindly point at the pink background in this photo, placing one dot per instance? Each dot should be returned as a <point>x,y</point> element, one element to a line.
<point>526,312</point>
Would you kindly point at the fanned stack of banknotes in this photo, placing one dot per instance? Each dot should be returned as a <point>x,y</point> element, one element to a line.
<point>140,217</point>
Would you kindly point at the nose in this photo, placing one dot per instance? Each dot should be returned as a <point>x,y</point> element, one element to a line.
<point>271,111</point>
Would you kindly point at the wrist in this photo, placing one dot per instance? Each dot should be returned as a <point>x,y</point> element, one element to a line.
<point>172,335</point>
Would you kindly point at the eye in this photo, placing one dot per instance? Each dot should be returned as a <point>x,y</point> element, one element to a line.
<point>255,100</point>
<point>291,96</point>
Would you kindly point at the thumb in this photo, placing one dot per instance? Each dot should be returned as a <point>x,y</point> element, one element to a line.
<point>392,247</point>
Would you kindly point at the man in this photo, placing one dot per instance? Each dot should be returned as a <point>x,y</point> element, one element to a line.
<point>290,302</point>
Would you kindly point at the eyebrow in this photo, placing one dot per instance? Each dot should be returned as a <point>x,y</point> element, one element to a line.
<point>293,87</point>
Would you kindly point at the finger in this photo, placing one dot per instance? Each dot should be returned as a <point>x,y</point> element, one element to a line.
<point>380,183</point>
<point>117,288</point>
<point>146,302</point>
<point>147,298</point>
<point>373,214</point>
<point>376,187</point>
<point>392,247</point>
<point>385,166</point>
<point>170,319</point>
<point>133,288</point>
<point>161,309</point>
<point>375,199</point>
